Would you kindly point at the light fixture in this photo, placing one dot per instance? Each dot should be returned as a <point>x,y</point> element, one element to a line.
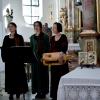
<point>78,2</point>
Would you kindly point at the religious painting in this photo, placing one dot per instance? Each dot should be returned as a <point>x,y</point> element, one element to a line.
<point>92,58</point>
<point>89,58</point>
<point>98,15</point>
<point>89,45</point>
<point>82,58</point>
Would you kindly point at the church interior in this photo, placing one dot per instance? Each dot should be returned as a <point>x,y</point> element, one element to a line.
<point>80,22</point>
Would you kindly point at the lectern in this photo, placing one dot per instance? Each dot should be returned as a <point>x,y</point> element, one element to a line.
<point>21,54</point>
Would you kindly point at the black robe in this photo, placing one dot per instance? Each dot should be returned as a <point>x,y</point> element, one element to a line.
<point>40,77</point>
<point>57,71</point>
<point>15,76</point>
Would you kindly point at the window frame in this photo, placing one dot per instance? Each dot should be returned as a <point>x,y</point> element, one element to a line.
<point>33,5</point>
<point>31,10</point>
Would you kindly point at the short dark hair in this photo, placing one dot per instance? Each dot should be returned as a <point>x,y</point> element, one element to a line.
<point>59,26</point>
<point>40,24</point>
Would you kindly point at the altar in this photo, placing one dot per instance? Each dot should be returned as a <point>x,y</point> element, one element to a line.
<point>80,84</point>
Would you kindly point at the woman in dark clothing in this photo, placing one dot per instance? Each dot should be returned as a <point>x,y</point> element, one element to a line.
<point>59,43</point>
<point>40,79</point>
<point>15,77</point>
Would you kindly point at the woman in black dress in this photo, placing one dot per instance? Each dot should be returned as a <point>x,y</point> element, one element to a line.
<point>59,43</point>
<point>15,77</point>
<point>40,77</point>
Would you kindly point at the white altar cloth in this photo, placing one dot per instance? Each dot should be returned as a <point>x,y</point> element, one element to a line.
<point>80,84</point>
<point>73,46</point>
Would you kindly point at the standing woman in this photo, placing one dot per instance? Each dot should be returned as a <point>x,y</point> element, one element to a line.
<point>40,78</point>
<point>59,43</point>
<point>15,77</point>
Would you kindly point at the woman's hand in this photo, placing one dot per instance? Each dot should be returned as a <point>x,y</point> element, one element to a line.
<point>61,58</point>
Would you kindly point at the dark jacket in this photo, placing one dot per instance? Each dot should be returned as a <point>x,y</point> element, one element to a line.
<point>40,79</point>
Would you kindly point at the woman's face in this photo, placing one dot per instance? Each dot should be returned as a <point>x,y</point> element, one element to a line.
<point>54,29</point>
<point>37,27</point>
<point>12,28</point>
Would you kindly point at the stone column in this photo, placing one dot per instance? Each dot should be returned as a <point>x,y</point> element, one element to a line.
<point>89,14</point>
<point>89,34</point>
<point>69,13</point>
<point>70,6</point>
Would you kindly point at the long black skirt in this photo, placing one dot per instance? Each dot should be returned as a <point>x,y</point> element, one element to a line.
<point>40,78</point>
<point>15,78</point>
<point>56,73</point>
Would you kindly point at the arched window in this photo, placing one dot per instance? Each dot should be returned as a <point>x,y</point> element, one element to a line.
<point>32,10</point>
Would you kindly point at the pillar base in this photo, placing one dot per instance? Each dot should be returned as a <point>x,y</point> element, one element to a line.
<point>89,42</point>
<point>89,34</point>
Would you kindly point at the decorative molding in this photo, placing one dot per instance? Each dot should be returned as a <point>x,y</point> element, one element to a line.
<point>89,33</point>
<point>90,45</point>
<point>98,15</point>
<point>77,29</point>
<point>70,29</point>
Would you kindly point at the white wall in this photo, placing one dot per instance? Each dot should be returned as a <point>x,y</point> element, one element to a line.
<point>62,3</point>
<point>4,3</point>
<point>23,29</point>
<point>47,9</point>
<point>1,23</point>
<point>0,11</point>
<point>16,5</point>
<point>2,67</point>
<point>1,36</point>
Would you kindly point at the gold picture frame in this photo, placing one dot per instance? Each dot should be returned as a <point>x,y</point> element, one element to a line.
<point>90,45</point>
<point>78,20</point>
<point>87,58</point>
<point>82,58</point>
<point>92,58</point>
<point>98,15</point>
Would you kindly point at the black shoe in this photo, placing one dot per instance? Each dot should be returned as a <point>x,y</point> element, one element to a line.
<point>54,99</point>
<point>18,96</point>
<point>40,96</point>
<point>11,97</point>
<point>33,92</point>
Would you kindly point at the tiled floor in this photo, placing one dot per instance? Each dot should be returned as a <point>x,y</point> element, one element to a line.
<point>28,96</point>
<point>4,96</point>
